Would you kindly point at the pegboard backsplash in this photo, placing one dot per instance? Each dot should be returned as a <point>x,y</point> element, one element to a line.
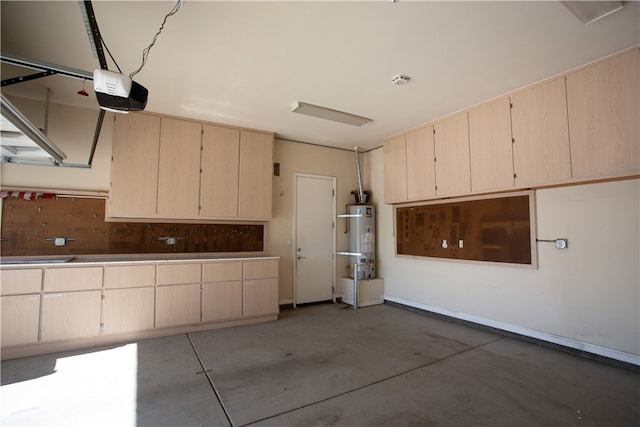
<point>34,227</point>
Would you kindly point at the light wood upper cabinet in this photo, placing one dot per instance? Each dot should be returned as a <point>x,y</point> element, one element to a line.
<point>490,146</point>
<point>134,166</point>
<point>603,103</point>
<point>451,141</point>
<point>166,168</point>
<point>541,134</point>
<point>255,182</point>
<point>179,169</point>
<point>220,166</point>
<point>395,169</point>
<point>580,127</point>
<point>421,174</point>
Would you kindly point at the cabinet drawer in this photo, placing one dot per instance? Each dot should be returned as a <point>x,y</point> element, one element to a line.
<point>175,274</point>
<point>260,269</point>
<point>222,271</point>
<point>20,281</point>
<point>129,276</point>
<point>72,279</point>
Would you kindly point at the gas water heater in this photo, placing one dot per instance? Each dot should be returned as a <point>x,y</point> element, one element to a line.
<point>362,239</point>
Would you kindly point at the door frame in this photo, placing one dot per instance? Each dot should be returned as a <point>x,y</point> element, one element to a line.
<point>294,246</point>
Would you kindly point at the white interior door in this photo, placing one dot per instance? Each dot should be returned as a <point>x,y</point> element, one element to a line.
<point>314,248</point>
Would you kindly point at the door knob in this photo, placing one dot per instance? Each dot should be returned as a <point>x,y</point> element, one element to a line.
<point>302,257</point>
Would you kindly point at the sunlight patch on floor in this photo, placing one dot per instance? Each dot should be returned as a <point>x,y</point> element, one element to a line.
<point>97,389</point>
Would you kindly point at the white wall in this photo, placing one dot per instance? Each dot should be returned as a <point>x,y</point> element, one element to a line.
<point>72,130</point>
<point>587,296</point>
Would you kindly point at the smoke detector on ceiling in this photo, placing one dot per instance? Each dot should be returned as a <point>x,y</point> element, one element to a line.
<point>400,79</point>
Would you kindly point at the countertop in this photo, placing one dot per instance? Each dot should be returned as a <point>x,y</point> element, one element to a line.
<point>51,260</point>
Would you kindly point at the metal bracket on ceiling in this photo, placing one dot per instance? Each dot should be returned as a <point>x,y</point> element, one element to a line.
<point>95,39</point>
<point>46,68</point>
<point>14,80</point>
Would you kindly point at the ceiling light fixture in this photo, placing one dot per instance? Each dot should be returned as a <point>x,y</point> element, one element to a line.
<point>591,11</point>
<point>329,114</point>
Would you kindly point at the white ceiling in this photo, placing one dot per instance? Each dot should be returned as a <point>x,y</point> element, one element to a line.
<point>246,63</point>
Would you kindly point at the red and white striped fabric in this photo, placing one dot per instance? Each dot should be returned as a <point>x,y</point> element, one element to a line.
<point>27,195</point>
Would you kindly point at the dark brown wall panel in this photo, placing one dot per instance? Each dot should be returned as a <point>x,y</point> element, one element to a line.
<point>496,229</point>
<point>28,224</point>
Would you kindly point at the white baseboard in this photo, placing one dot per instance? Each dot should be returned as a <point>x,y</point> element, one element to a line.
<point>543,336</point>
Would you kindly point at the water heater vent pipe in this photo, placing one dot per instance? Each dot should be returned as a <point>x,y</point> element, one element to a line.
<point>360,192</point>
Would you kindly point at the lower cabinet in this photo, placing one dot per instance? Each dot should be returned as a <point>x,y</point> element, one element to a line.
<point>260,288</point>
<point>20,318</point>
<point>128,310</point>
<point>260,297</point>
<point>70,315</point>
<point>56,305</point>
<point>177,305</point>
<point>221,301</point>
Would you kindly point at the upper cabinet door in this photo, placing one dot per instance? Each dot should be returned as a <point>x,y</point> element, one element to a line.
<point>541,135</point>
<point>134,166</point>
<point>395,170</point>
<point>490,146</point>
<point>220,165</point>
<point>451,140</point>
<point>255,182</point>
<point>179,169</point>
<point>421,174</point>
<point>603,118</point>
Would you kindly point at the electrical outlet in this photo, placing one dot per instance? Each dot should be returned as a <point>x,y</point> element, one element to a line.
<point>561,243</point>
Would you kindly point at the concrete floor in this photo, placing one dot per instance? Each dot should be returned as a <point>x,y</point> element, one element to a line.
<point>322,365</point>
